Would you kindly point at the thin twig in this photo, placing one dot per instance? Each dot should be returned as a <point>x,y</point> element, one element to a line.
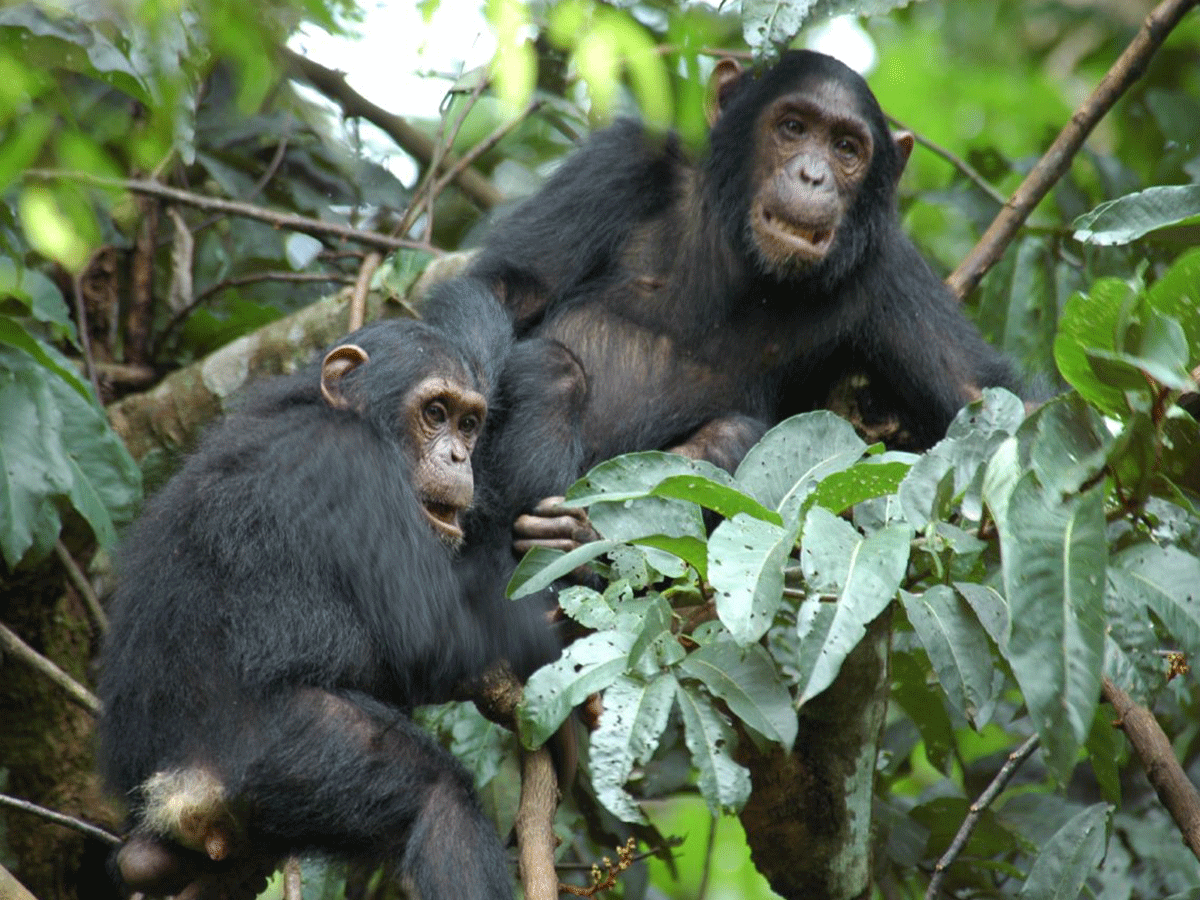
<point>60,819</point>
<point>1057,160</point>
<point>975,813</point>
<point>333,85</point>
<point>81,321</point>
<point>79,579</point>
<point>240,281</point>
<point>487,144</point>
<point>272,168</point>
<point>358,299</point>
<point>971,173</point>
<point>709,856</point>
<point>290,221</point>
<point>1158,758</point>
<point>12,644</point>
<point>441,149</point>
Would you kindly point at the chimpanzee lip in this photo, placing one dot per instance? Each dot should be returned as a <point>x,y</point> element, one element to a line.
<point>809,241</point>
<point>443,516</point>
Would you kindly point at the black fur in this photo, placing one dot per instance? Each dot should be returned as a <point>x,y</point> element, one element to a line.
<point>643,265</point>
<point>283,604</point>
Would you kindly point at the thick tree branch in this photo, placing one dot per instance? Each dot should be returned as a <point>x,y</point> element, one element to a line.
<point>1128,68</point>
<point>497,697</point>
<point>1170,782</point>
<point>291,221</point>
<point>334,86</point>
<point>11,644</point>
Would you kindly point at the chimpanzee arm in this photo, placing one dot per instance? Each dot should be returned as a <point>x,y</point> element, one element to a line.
<point>573,229</point>
<point>920,346</point>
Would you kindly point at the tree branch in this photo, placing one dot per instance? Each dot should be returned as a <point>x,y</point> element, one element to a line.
<point>59,819</point>
<point>79,579</point>
<point>497,696</point>
<point>1177,794</point>
<point>1128,68</point>
<point>354,105</point>
<point>12,644</point>
<point>291,221</point>
<point>969,171</point>
<point>1014,761</point>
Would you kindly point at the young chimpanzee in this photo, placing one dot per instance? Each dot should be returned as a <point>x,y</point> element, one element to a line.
<point>290,595</point>
<point>708,300</point>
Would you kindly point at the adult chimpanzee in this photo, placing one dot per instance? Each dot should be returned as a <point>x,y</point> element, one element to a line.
<point>706,301</point>
<point>291,594</point>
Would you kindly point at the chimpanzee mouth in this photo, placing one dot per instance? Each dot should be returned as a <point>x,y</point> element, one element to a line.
<point>809,242</point>
<point>444,519</point>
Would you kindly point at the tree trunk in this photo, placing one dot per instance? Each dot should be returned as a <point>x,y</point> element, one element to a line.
<point>808,820</point>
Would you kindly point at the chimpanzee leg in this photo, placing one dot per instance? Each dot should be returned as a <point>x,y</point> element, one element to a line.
<point>345,773</point>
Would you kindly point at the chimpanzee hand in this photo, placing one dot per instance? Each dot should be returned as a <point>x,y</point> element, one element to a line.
<point>554,526</point>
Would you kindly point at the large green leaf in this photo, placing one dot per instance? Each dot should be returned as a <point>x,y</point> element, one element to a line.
<point>956,644</point>
<point>724,784</point>
<point>748,681</point>
<point>1165,580</point>
<point>635,714</point>
<point>860,575</point>
<point>1090,322</point>
<point>1070,857</point>
<point>746,560</point>
<point>56,446</point>
<point>1053,556</point>
<point>794,456</point>
<point>588,665</point>
<point>1128,218</point>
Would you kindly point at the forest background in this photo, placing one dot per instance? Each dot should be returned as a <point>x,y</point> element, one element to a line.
<point>189,203</point>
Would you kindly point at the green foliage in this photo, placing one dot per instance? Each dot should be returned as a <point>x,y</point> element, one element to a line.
<point>1024,560</point>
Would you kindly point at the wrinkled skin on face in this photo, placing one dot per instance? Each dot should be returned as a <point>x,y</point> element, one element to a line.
<point>811,159</point>
<point>443,419</point>
<point>439,421</point>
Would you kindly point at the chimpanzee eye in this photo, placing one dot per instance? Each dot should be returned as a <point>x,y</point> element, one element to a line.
<point>791,127</point>
<point>468,425</point>
<point>435,412</point>
<point>848,149</point>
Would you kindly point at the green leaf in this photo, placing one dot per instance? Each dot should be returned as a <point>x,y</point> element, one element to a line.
<point>541,566</point>
<point>990,608</point>
<point>1089,322</point>
<point>973,437</point>
<point>1128,218</point>
<point>636,475</point>
<point>724,784</point>
<point>956,645</point>
<point>1165,580</point>
<point>1070,444</point>
<point>746,560</point>
<point>1053,557</point>
<point>862,481</point>
<point>862,574</point>
<point>1070,856</point>
<point>635,714</point>
<point>783,468</point>
<point>588,665</point>
<point>1177,294</point>
<point>748,681</point>
<point>37,292</point>
<point>721,498</point>
<point>56,445</point>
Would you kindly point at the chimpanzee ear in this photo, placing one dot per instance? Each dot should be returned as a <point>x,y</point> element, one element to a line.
<point>904,143</point>
<point>339,362</point>
<point>725,74</point>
